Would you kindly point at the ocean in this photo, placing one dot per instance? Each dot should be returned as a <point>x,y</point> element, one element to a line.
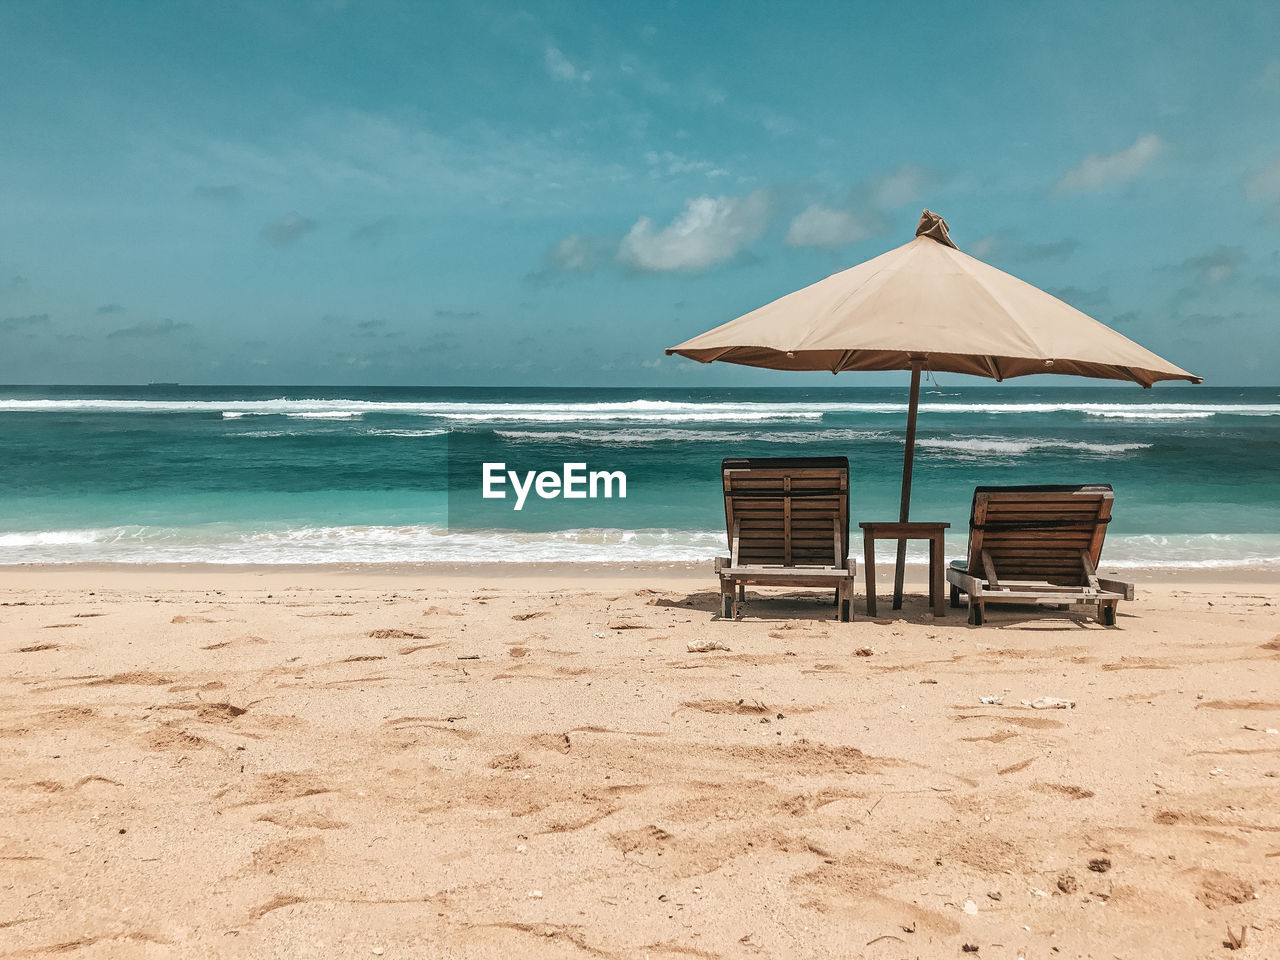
<point>284,475</point>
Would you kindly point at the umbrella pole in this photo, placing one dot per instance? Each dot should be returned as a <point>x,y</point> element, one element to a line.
<point>908,459</point>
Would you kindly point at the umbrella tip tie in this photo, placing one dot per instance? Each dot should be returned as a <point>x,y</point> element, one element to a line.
<point>935,228</point>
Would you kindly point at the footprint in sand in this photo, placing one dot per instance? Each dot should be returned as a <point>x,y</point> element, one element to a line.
<point>1219,889</point>
<point>550,741</point>
<point>579,815</point>
<point>651,838</point>
<point>38,647</point>
<point>176,739</point>
<point>184,618</point>
<point>414,648</point>
<point>280,785</point>
<point>140,677</point>
<point>531,616</point>
<point>1237,705</point>
<point>220,712</point>
<point>1137,663</point>
<point>207,685</point>
<point>282,854</point>
<point>67,716</point>
<point>1066,789</point>
<point>391,633</point>
<point>753,707</point>
<point>1033,723</point>
<point>998,737</point>
<point>1015,767</point>
<point>509,761</point>
<point>806,757</point>
<point>233,643</point>
<point>435,724</point>
<point>303,819</point>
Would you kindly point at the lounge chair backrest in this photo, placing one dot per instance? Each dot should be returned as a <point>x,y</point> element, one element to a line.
<point>787,511</point>
<point>1042,533</point>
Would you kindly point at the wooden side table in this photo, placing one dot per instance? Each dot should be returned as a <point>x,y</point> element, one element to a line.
<point>911,530</point>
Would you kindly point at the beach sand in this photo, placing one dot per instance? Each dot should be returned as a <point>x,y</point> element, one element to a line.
<point>412,763</point>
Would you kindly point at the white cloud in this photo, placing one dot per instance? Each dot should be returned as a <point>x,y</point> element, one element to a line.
<point>1096,172</point>
<point>1264,184</point>
<point>1217,265</point>
<point>710,230</point>
<point>863,211</point>
<point>575,254</point>
<point>559,66</point>
<point>674,165</point>
<point>399,161</point>
<point>819,226</point>
<point>903,185</point>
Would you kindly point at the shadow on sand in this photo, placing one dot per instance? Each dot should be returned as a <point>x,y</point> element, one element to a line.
<point>916,609</point>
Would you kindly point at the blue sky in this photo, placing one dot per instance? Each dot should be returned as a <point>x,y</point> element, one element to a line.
<point>408,193</point>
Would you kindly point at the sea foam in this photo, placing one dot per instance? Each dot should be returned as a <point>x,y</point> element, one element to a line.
<point>418,544</point>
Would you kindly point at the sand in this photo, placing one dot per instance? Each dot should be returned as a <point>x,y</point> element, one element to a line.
<point>330,763</point>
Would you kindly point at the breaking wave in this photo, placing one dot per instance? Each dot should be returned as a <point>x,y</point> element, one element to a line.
<point>217,544</point>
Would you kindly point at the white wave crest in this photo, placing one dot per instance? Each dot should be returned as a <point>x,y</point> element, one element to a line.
<point>646,435</point>
<point>374,432</point>
<point>634,410</point>
<point>367,544</point>
<point>1155,415</point>
<point>217,544</point>
<point>51,538</point>
<point>997,447</point>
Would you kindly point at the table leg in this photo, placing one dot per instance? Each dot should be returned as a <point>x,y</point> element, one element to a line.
<point>937,564</point>
<point>899,574</point>
<point>869,570</point>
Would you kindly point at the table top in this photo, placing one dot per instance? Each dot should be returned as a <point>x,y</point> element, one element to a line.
<point>906,529</point>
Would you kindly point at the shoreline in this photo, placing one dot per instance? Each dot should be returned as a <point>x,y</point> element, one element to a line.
<point>543,571</point>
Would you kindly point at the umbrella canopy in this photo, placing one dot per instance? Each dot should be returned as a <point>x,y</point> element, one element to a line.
<point>926,305</point>
<point>925,301</point>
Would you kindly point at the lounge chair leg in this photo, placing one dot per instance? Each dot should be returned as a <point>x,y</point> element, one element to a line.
<point>1108,615</point>
<point>727,610</point>
<point>976,612</point>
<point>844,603</point>
<point>955,595</point>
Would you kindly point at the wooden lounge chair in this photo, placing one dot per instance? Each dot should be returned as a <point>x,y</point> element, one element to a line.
<point>1038,545</point>
<point>788,525</point>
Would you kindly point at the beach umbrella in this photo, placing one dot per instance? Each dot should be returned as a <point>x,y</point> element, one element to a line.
<point>927,306</point>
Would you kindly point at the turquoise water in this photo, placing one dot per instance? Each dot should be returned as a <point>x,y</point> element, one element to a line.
<point>295,475</point>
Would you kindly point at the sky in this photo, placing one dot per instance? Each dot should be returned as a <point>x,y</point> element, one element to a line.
<point>370,192</point>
